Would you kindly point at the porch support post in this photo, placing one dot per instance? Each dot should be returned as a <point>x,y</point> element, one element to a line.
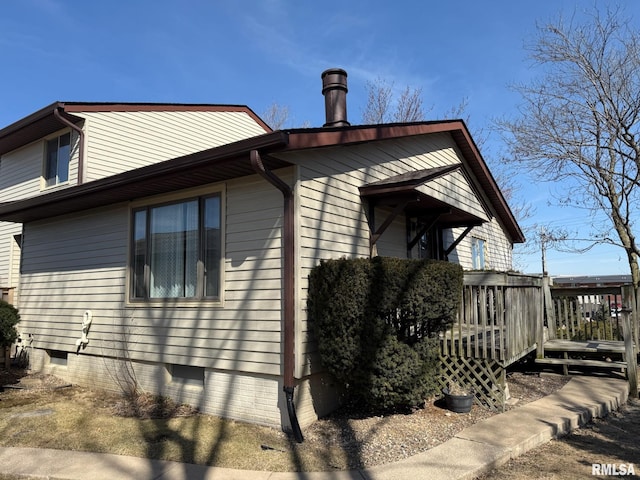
<point>392,216</point>
<point>457,241</point>
<point>422,231</point>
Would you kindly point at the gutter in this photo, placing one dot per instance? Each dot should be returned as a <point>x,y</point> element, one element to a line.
<point>80,132</point>
<point>289,288</point>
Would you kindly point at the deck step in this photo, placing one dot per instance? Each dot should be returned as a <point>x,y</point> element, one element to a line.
<point>582,362</point>
<point>586,346</point>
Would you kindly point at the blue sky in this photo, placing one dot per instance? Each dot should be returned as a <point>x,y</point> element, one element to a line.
<point>257,52</point>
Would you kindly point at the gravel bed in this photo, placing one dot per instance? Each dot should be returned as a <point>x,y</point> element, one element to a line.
<point>383,439</point>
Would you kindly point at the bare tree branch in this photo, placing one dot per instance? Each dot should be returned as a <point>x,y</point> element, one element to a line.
<point>276,115</point>
<point>579,123</point>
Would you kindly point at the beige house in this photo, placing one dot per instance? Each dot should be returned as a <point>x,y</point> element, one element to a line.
<point>185,235</point>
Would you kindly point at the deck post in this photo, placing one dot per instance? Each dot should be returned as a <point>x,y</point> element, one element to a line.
<point>628,298</point>
<point>540,317</point>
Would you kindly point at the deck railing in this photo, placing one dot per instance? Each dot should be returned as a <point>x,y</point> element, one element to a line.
<point>499,317</point>
<point>586,313</point>
<point>602,318</point>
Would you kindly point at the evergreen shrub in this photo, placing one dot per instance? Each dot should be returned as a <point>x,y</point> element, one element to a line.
<point>9,318</point>
<point>376,323</point>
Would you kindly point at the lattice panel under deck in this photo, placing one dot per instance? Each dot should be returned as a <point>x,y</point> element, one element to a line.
<point>487,377</point>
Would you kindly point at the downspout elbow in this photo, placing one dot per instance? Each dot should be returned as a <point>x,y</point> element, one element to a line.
<point>80,132</point>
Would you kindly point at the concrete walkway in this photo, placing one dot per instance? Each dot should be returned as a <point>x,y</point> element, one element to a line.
<point>475,450</point>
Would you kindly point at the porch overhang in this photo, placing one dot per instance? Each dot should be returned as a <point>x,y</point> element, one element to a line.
<point>411,194</point>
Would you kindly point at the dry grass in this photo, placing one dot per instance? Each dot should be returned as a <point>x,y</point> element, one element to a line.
<point>80,419</point>
<point>74,418</point>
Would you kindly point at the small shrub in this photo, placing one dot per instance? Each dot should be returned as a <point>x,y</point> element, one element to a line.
<point>146,405</point>
<point>401,376</point>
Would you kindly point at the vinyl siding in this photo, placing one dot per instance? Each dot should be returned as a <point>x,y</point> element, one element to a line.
<point>333,218</point>
<point>498,248</point>
<point>9,254</point>
<point>122,141</point>
<point>77,263</point>
<point>455,190</point>
<point>21,170</point>
<point>115,142</point>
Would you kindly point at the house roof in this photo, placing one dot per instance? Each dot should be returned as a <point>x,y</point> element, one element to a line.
<point>231,161</point>
<point>43,122</point>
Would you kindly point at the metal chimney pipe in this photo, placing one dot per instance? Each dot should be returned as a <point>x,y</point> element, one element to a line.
<point>334,89</point>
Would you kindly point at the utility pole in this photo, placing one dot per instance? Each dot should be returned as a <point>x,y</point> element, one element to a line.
<point>543,245</point>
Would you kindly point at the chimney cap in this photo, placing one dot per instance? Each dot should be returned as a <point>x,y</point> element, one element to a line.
<point>334,78</point>
<point>334,89</point>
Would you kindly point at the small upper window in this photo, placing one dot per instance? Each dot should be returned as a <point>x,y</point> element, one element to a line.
<point>58,154</point>
<point>477,253</point>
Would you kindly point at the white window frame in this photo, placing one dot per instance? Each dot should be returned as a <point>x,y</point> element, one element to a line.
<point>478,253</point>
<point>55,180</point>
<point>162,200</point>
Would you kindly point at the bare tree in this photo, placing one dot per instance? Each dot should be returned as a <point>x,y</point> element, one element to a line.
<point>409,106</point>
<point>579,123</point>
<point>383,108</point>
<point>276,115</point>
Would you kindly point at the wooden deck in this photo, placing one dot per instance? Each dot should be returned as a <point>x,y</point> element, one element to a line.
<point>497,325</point>
<point>609,354</point>
<point>585,346</point>
<point>503,317</point>
<point>585,330</point>
<point>490,342</point>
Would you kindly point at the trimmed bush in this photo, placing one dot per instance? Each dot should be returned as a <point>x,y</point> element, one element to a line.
<point>376,321</point>
<point>9,318</point>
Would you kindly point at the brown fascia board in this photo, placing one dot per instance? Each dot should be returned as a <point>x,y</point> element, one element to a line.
<point>409,180</point>
<point>300,139</point>
<point>43,122</point>
<point>209,166</point>
<point>33,127</point>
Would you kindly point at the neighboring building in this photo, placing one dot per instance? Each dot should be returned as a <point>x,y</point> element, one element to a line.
<point>194,269</point>
<point>590,281</point>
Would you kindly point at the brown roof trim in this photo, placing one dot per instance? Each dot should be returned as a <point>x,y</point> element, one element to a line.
<point>33,127</point>
<point>43,122</point>
<point>209,166</point>
<point>327,137</point>
<point>150,107</point>
<point>407,181</point>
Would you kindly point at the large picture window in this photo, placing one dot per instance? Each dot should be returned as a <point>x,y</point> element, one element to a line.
<point>57,157</point>
<point>177,250</point>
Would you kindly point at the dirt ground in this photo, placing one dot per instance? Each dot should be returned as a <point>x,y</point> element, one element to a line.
<point>610,442</point>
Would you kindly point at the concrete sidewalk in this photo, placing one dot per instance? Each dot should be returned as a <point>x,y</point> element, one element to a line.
<point>475,450</point>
